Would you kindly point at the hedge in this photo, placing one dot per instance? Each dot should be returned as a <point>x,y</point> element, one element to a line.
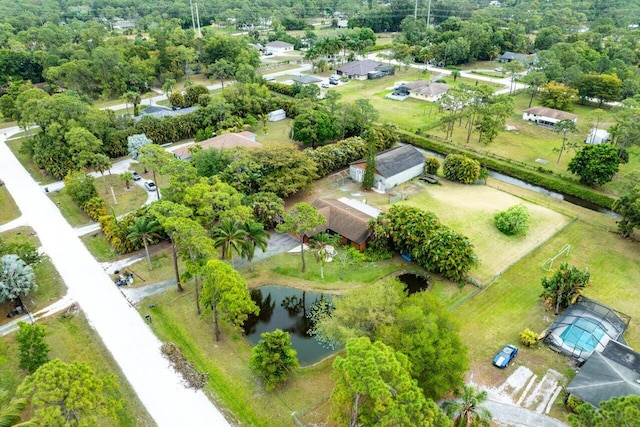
<point>532,177</point>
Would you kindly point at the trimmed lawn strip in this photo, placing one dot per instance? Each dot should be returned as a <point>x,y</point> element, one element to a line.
<point>73,340</point>
<point>8,208</point>
<point>99,247</point>
<point>69,209</point>
<point>36,173</point>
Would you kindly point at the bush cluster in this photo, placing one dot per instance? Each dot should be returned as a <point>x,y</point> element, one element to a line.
<point>430,243</point>
<point>529,338</point>
<point>116,231</point>
<point>81,188</point>
<point>460,168</point>
<point>513,221</point>
<point>432,165</point>
<point>284,89</point>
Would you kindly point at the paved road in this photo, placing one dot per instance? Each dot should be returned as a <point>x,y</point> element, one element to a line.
<point>518,416</point>
<point>129,339</point>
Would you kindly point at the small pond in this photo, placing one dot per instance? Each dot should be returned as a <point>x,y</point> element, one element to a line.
<point>414,282</point>
<point>286,308</point>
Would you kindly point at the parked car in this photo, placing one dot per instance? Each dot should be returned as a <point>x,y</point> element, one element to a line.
<point>150,185</point>
<point>333,81</point>
<point>268,53</point>
<point>136,176</point>
<point>324,85</point>
<point>505,356</point>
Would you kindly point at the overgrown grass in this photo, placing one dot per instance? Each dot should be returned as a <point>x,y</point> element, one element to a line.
<point>8,208</point>
<point>73,340</point>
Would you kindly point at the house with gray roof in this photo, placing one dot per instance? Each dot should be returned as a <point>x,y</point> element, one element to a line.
<point>427,91</point>
<point>160,112</point>
<point>615,372</point>
<point>306,79</point>
<point>279,46</point>
<point>365,69</point>
<point>393,167</point>
<point>525,59</point>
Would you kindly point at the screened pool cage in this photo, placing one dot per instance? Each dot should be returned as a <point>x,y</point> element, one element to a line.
<point>584,327</point>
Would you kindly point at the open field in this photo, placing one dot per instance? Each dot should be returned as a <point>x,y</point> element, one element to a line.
<point>73,340</point>
<point>470,211</point>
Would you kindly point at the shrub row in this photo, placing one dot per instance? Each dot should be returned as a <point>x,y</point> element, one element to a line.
<point>529,176</point>
<point>285,89</point>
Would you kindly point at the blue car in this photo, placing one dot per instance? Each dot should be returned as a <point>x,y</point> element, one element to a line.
<point>505,356</point>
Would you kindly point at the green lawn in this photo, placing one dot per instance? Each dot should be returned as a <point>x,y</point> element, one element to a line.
<point>72,339</point>
<point>69,209</point>
<point>8,208</point>
<point>99,247</point>
<point>128,199</point>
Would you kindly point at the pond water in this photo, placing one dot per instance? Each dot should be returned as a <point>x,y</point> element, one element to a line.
<point>414,282</point>
<point>286,309</point>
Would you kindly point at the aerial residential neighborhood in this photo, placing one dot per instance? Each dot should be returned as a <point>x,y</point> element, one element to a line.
<point>320,214</point>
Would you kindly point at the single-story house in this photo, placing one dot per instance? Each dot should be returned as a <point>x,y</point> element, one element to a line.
<point>393,167</point>
<point>615,372</point>
<point>221,142</point>
<point>547,116</point>
<point>276,115</point>
<point>347,218</point>
<point>427,91</point>
<point>279,46</point>
<point>160,112</point>
<point>526,59</point>
<point>362,70</point>
<point>342,23</point>
<point>306,79</point>
<point>597,136</point>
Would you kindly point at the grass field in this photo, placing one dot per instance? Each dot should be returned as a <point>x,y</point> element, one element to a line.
<point>8,208</point>
<point>26,161</point>
<point>470,211</point>
<point>73,340</point>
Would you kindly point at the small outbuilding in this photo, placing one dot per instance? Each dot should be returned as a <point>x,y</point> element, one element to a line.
<point>597,136</point>
<point>393,167</point>
<point>277,115</point>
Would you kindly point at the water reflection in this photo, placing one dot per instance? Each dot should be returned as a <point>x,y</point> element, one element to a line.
<point>287,309</point>
<point>414,282</point>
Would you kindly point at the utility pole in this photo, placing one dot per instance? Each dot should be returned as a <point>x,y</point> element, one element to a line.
<point>198,19</point>
<point>429,14</point>
<point>193,20</point>
<point>415,11</point>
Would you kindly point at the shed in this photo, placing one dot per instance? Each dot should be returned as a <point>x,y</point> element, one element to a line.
<point>613,373</point>
<point>277,115</point>
<point>597,136</point>
<point>393,167</point>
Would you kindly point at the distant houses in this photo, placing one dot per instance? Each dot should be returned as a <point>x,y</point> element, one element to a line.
<point>547,116</point>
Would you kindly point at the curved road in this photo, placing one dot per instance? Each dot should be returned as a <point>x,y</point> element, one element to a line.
<point>123,331</point>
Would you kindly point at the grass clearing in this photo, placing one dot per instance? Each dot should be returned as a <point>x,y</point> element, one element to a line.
<point>470,211</point>
<point>128,199</point>
<point>8,208</point>
<point>99,247</point>
<point>73,340</point>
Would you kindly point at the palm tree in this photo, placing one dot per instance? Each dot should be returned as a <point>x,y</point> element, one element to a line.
<point>256,236</point>
<point>322,243</point>
<point>101,163</point>
<point>466,411</point>
<point>455,74</point>
<point>10,411</point>
<point>126,176</point>
<point>229,236</point>
<point>145,230</point>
